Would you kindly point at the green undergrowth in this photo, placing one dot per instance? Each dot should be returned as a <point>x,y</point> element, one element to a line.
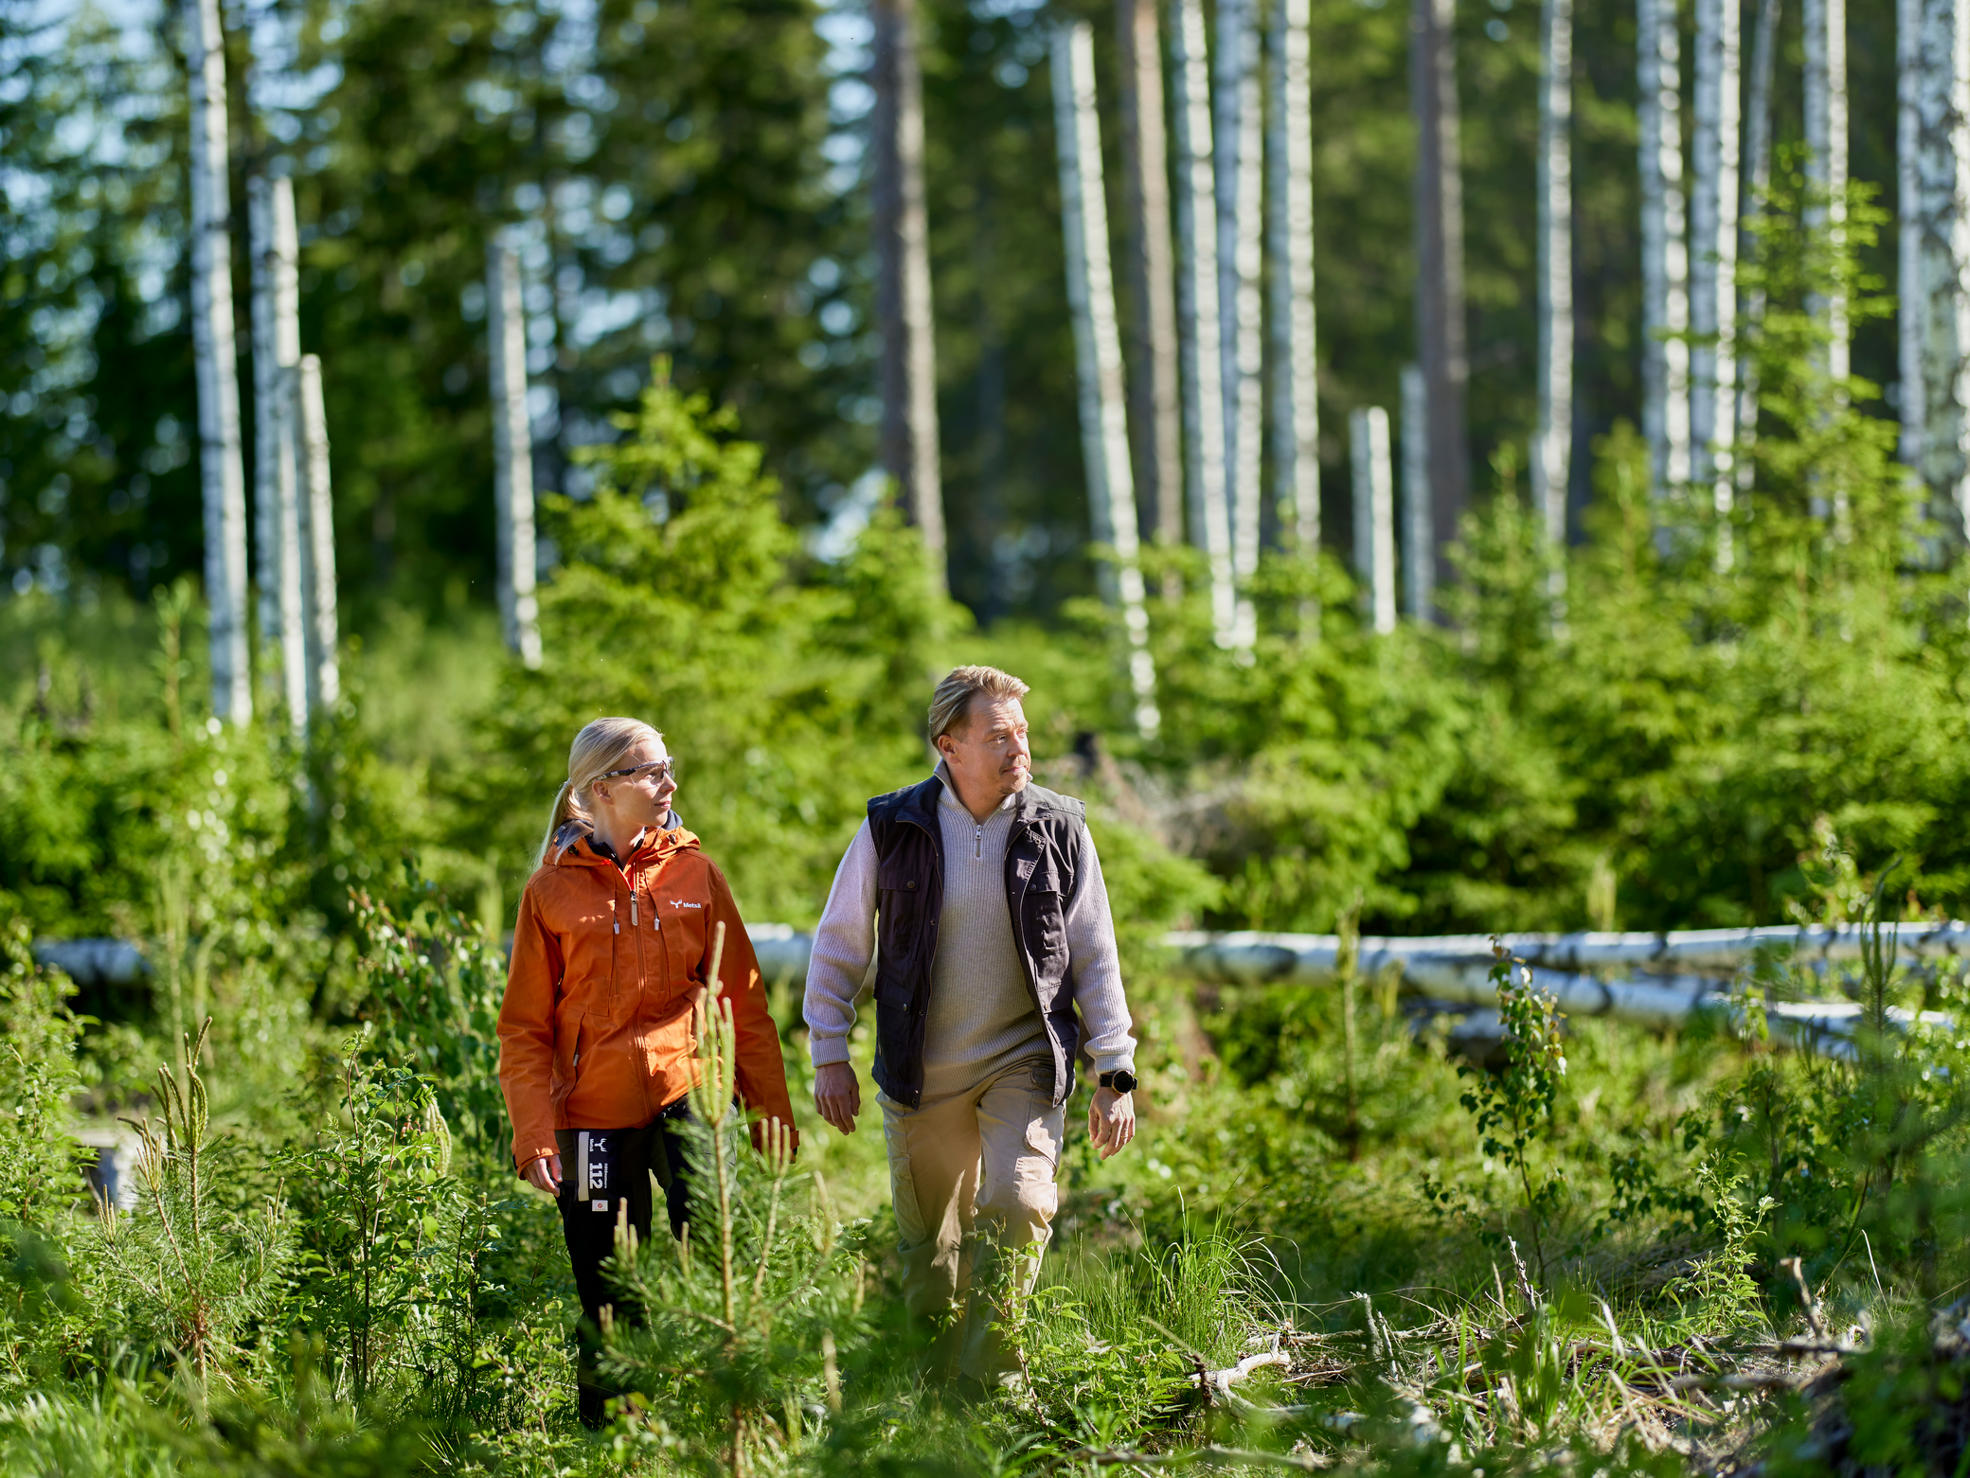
<point>329,1267</point>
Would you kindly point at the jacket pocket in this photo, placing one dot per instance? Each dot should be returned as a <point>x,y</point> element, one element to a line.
<point>571,1037</point>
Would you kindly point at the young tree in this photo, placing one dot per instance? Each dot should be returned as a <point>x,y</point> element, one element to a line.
<point>1197,315</point>
<point>1153,399</point>
<point>513,455</point>
<point>1289,233</point>
<point>1440,333</point>
<point>1098,352</point>
<point>1713,275</point>
<point>1665,250</point>
<point>1237,129</point>
<point>903,311</point>
<point>1552,458</point>
<point>218,369</point>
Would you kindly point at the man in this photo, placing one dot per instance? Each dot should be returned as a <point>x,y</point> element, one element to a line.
<point>985,895</point>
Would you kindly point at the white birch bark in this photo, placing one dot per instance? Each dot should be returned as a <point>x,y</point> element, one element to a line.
<point>276,464</point>
<point>1098,353</point>
<point>267,440</point>
<point>1552,459</point>
<point>1713,272</point>
<point>324,666</point>
<point>1418,507</point>
<point>1289,229</point>
<point>1910,314</point>
<point>1238,130</point>
<point>1943,285</point>
<point>294,554</point>
<point>1665,249</point>
<point>1758,183</point>
<point>1825,24</point>
<point>1199,342</point>
<point>221,474</point>
<point>1374,515</point>
<point>513,472</point>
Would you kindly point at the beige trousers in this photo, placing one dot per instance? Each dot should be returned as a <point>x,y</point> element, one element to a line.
<point>972,1176</point>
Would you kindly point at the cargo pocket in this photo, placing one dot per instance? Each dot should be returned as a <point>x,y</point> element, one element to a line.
<point>1043,1139</point>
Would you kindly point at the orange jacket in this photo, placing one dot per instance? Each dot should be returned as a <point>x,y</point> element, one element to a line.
<point>595,1030</point>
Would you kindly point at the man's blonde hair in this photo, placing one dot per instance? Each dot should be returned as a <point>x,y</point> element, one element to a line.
<point>950,705</point>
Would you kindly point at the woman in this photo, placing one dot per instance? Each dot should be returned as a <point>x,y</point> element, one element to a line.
<point>611,953</point>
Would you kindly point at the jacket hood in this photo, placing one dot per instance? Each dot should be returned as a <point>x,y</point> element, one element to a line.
<point>667,841</point>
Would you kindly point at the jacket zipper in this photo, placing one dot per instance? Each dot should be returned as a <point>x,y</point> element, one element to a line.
<point>642,1075</point>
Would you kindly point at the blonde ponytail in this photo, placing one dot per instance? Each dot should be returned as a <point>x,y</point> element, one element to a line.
<point>600,747</point>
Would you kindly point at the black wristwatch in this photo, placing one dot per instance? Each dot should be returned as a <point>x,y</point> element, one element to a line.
<point>1121,1080</point>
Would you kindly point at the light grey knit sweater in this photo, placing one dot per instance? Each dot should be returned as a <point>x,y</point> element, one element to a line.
<point>981,1016</point>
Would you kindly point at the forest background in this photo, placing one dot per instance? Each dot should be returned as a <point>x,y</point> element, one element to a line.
<point>367,1289</point>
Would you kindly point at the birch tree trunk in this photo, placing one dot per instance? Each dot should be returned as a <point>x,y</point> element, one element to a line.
<point>1552,460</point>
<point>1714,222</point>
<point>1098,352</point>
<point>276,461</point>
<point>513,469</point>
<point>1911,316</point>
<point>1154,410</point>
<point>1197,314</point>
<point>324,667</point>
<point>222,477</point>
<point>1758,164</point>
<point>1826,160</point>
<point>1374,515</point>
<point>1289,230</point>
<point>1239,133</point>
<point>1440,332</point>
<point>1943,166</point>
<point>909,356</point>
<point>1418,511</point>
<point>1665,250</point>
<point>1826,207</point>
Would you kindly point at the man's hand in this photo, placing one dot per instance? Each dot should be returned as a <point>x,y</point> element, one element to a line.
<point>1111,1120</point>
<point>545,1174</point>
<point>838,1095</point>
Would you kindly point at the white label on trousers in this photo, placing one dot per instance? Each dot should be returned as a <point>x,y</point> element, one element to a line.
<point>600,1205</point>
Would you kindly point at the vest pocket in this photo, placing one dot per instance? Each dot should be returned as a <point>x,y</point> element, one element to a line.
<point>1046,933</point>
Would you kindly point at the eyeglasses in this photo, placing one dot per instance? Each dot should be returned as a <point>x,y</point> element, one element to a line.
<point>665,770</point>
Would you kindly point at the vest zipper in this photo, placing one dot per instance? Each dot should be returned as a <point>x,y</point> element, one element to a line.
<point>978,843</point>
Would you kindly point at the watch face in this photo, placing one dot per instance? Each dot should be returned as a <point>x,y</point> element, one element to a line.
<point>1122,1082</point>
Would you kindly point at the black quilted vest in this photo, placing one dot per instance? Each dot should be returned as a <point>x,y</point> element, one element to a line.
<point>1043,857</point>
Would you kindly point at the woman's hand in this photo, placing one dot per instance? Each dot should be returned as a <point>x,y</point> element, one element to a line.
<point>545,1174</point>
<point>1111,1120</point>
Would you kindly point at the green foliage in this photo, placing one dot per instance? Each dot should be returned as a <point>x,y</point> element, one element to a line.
<point>735,1351</point>
<point>789,692</point>
<point>1512,1109</point>
<point>191,1276</point>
